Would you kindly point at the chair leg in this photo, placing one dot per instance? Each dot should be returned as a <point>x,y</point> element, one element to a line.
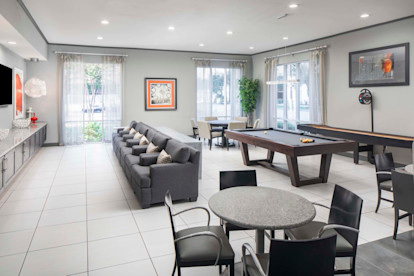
<point>232,269</point>
<point>378,201</point>
<point>353,259</point>
<point>228,144</point>
<point>175,266</point>
<point>410,219</point>
<point>396,219</point>
<point>209,143</point>
<point>228,233</point>
<point>285,236</point>
<point>179,271</point>
<point>272,234</point>
<point>220,269</point>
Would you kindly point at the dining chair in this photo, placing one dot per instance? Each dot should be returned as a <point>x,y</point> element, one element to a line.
<point>195,128</point>
<point>230,179</point>
<point>403,188</point>
<point>384,163</point>
<point>344,220</point>
<point>235,125</point>
<point>256,123</point>
<point>210,118</point>
<point>199,246</point>
<point>242,119</point>
<point>313,257</point>
<point>205,131</point>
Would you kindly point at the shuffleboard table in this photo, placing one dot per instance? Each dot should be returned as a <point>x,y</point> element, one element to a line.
<point>288,143</point>
<point>359,136</point>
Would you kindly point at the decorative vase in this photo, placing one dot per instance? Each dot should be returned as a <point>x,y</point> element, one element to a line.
<point>34,118</point>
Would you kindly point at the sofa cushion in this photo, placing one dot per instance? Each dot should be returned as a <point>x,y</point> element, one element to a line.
<point>131,160</point>
<point>125,151</point>
<point>141,174</point>
<point>151,134</point>
<point>164,158</point>
<point>143,141</point>
<point>160,140</point>
<point>152,148</point>
<point>179,152</point>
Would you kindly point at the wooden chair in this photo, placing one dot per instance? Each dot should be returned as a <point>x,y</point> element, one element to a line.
<point>384,163</point>
<point>344,220</point>
<point>403,188</point>
<point>210,118</point>
<point>235,125</point>
<point>242,119</point>
<point>199,246</point>
<point>256,123</point>
<point>314,257</point>
<point>229,179</point>
<point>205,131</point>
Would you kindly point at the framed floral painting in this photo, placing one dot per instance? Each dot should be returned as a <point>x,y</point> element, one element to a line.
<point>18,94</point>
<point>160,94</point>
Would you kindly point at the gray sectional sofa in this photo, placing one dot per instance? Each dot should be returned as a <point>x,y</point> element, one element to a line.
<point>149,180</point>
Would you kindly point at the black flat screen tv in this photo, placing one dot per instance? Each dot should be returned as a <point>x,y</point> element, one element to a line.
<point>6,85</point>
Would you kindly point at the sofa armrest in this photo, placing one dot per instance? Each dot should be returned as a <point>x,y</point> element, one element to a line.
<point>147,159</point>
<point>132,142</point>
<point>127,137</point>
<point>137,150</point>
<point>123,132</point>
<point>119,129</point>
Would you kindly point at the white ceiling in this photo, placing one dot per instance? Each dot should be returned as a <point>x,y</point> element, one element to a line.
<point>144,23</point>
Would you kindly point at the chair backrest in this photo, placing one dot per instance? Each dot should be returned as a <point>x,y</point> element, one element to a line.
<point>168,203</point>
<point>346,210</point>
<point>229,179</point>
<point>193,123</point>
<point>403,189</point>
<point>236,125</point>
<point>204,129</point>
<point>211,118</point>
<point>383,163</point>
<point>256,123</point>
<point>243,119</point>
<point>314,257</point>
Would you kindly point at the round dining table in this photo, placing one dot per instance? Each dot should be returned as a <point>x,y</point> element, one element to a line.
<point>262,208</point>
<point>223,124</point>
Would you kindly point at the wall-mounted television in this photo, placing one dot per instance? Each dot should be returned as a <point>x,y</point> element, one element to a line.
<point>6,85</point>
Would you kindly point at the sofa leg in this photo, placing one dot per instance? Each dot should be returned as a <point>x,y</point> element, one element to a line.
<point>192,199</point>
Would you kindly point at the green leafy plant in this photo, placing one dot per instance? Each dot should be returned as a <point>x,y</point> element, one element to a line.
<point>93,132</point>
<point>249,94</point>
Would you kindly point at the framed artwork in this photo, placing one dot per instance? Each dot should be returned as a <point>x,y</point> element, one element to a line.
<point>160,94</point>
<point>384,66</point>
<point>18,94</point>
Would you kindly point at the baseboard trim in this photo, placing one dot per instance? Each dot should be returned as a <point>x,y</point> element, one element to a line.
<point>50,144</point>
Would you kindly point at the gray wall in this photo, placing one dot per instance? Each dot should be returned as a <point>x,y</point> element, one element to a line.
<point>393,106</point>
<point>11,60</point>
<point>139,64</point>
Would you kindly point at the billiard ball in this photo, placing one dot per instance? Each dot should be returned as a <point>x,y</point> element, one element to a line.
<point>265,132</point>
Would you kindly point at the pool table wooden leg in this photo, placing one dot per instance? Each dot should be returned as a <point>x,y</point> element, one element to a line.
<point>325,165</point>
<point>293,167</point>
<point>356,153</point>
<point>270,155</point>
<point>245,154</point>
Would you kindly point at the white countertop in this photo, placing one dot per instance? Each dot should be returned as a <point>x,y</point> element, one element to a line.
<point>19,135</point>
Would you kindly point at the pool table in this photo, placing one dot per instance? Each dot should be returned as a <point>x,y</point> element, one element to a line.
<point>288,143</point>
<point>359,136</point>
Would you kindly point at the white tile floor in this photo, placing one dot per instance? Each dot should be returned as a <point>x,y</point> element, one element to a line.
<point>72,212</point>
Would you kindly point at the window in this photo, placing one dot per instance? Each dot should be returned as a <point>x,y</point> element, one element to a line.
<point>218,92</point>
<point>290,96</point>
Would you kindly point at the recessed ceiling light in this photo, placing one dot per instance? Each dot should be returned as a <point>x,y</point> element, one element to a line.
<point>364,15</point>
<point>229,32</point>
<point>251,47</point>
<point>171,28</point>
<point>105,22</point>
<point>293,6</point>
<point>285,38</point>
<point>12,42</point>
<point>201,44</point>
<point>100,37</point>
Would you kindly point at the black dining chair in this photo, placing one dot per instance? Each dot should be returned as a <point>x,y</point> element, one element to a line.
<point>315,257</point>
<point>384,163</point>
<point>403,187</point>
<point>199,246</point>
<point>230,179</point>
<point>344,220</point>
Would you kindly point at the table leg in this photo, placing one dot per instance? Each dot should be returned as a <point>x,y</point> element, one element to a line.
<point>325,165</point>
<point>293,167</point>
<point>259,241</point>
<point>245,154</point>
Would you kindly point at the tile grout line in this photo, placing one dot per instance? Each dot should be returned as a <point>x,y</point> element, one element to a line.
<point>136,224</point>
<point>40,217</point>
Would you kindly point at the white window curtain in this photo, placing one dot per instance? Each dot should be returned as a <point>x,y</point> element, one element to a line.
<point>236,73</point>
<point>317,87</point>
<point>71,99</point>
<point>271,75</point>
<point>112,90</point>
<point>204,89</point>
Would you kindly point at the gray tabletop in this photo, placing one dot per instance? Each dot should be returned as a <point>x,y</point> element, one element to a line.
<point>262,208</point>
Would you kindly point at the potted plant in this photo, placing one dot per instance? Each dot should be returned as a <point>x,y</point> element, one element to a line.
<point>249,93</point>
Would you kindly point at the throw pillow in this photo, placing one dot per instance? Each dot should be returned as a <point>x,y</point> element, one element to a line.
<point>143,141</point>
<point>164,158</point>
<point>127,128</point>
<point>132,131</point>
<point>138,136</point>
<point>152,148</point>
